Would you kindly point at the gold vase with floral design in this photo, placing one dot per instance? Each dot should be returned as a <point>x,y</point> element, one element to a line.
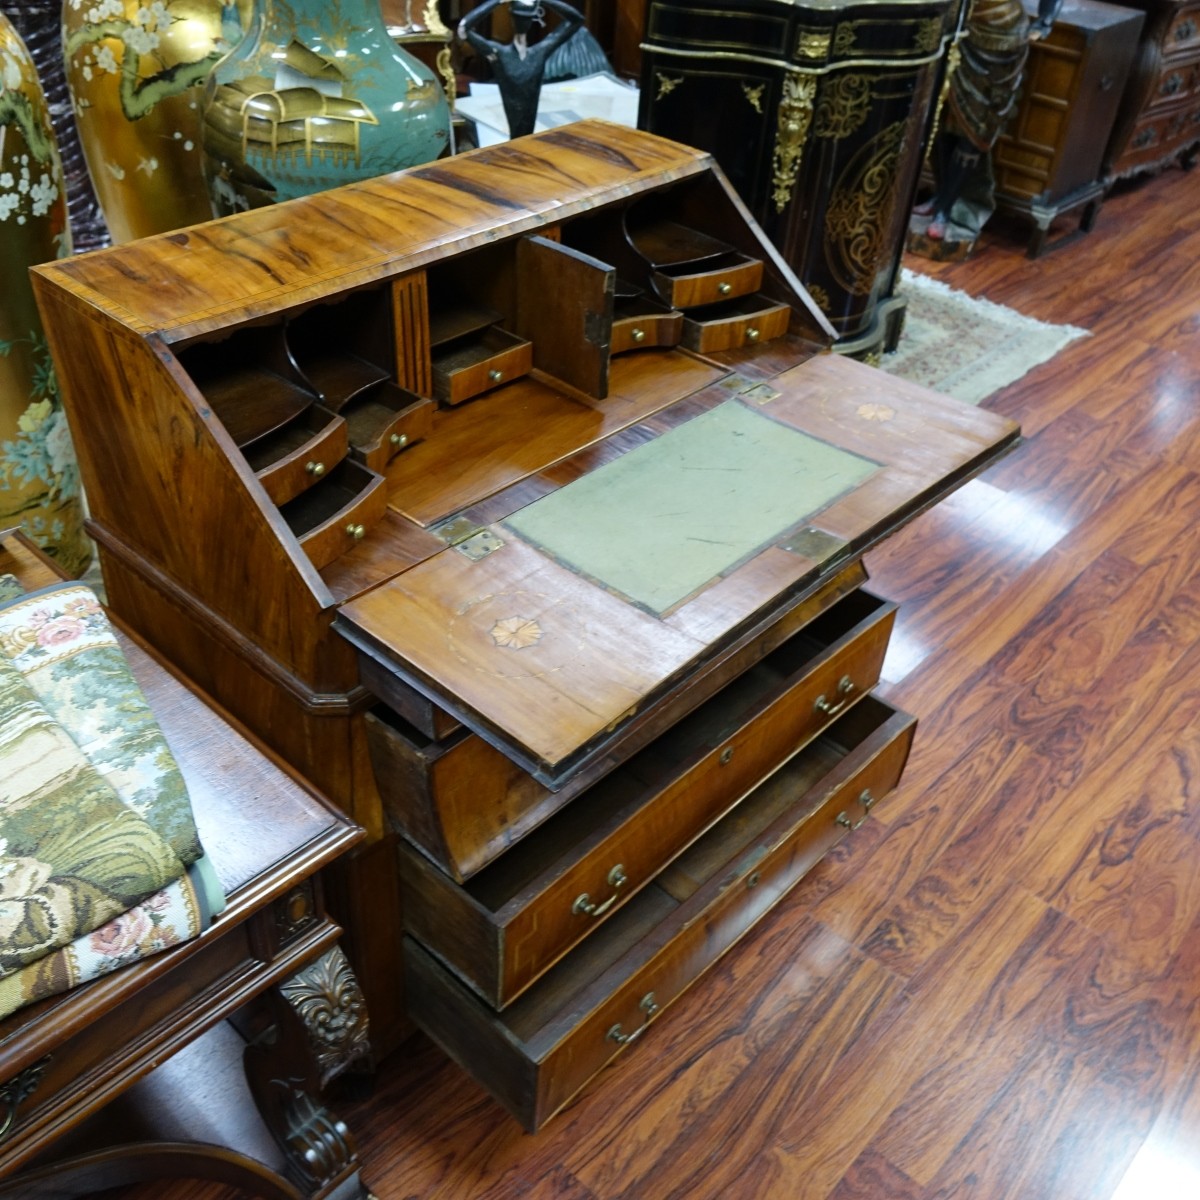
<point>136,70</point>
<point>39,479</point>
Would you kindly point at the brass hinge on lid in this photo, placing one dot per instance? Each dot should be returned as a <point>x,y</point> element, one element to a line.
<point>469,539</point>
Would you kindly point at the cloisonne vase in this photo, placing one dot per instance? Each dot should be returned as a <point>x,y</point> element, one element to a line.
<point>39,479</point>
<point>317,95</point>
<point>136,70</point>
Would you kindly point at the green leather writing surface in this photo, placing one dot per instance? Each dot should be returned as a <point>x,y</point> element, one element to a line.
<point>674,514</point>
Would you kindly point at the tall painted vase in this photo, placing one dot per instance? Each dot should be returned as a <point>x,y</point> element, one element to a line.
<point>317,95</point>
<point>39,479</point>
<point>136,70</point>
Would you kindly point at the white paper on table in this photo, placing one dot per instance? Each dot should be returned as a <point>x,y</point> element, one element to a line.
<point>559,103</point>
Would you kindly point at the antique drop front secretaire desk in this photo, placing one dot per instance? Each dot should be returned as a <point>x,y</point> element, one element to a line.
<point>514,500</point>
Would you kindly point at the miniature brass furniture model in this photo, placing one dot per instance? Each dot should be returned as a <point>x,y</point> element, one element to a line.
<point>514,500</point>
<point>1050,159</point>
<point>818,113</point>
<point>138,1075</point>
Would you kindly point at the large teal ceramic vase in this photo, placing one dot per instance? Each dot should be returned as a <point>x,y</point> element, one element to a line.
<point>316,95</point>
<point>39,479</point>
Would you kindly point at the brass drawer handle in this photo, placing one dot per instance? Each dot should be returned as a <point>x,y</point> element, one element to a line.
<point>752,334</point>
<point>585,906</point>
<point>845,689</point>
<point>495,376</point>
<point>866,800</point>
<point>724,288</point>
<point>637,335</point>
<point>399,440</point>
<point>357,532</point>
<point>649,1006</point>
<point>315,469</point>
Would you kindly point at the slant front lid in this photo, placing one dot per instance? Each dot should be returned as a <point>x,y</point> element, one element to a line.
<point>553,631</point>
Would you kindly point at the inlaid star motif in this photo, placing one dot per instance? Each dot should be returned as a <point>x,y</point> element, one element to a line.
<point>876,412</point>
<point>516,633</point>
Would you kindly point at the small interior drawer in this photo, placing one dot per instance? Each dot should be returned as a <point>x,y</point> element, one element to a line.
<point>639,323</point>
<point>691,285</point>
<point>743,322</point>
<point>298,454</point>
<point>383,421</point>
<point>471,366</point>
<point>509,923</point>
<point>334,514</point>
<point>604,995</point>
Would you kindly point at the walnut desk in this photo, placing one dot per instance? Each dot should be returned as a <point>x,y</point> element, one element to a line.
<point>514,500</point>
<point>82,1107</point>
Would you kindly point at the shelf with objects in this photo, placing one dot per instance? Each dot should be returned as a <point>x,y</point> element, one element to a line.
<point>555,651</point>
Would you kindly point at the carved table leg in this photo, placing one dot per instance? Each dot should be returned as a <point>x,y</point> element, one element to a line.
<point>327,998</point>
<point>306,1033</point>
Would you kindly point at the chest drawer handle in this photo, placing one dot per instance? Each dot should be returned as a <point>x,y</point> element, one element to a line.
<point>399,440</point>
<point>845,689</point>
<point>843,819</point>
<point>585,906</point>
<point>649,1006</point>
<point>357,532</point>
<point>316,469</point>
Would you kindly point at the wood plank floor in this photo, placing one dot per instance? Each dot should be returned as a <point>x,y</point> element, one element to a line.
<point>991,991</point>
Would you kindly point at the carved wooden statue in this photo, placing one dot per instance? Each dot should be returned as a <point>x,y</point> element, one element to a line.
<point>517,65</point>
<point>983,92</point>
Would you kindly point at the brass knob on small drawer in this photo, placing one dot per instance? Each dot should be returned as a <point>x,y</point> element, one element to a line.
<point>726,756</point>
<point>752,334</point>
<point>357,532</point>
<point>638,335</point>
<point>495,376</point>
<point>315,469</point>
<point>399,440</point>
<point>724,288</point>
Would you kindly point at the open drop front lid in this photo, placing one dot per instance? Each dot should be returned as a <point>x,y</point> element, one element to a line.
<point>555,627</point>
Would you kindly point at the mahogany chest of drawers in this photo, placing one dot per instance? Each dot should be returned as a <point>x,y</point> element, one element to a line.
<point>514,501</point>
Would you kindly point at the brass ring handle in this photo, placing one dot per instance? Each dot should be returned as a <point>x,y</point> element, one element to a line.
<point>649,1006</point>
<point>316,469</point>
<point>866,800</point>
<point>845,689</point>
<point>357,532</point>
<point>399,440</point>
<point>585,906</point>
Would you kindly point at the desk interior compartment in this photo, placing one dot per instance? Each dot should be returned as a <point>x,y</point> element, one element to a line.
<point>732,324</point>
<point>384,420</point>
<point>345,348</point>
<point>604,995</point>
<point>334,515</point>
<point>508,924</point>
<point>295,456</point>
<point>250,380</point>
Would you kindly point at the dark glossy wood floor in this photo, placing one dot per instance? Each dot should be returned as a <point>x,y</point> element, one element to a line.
<point>992,991</point>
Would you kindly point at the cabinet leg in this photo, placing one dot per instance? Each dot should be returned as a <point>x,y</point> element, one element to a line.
<point>284,1075</point>
<point>326,997</point>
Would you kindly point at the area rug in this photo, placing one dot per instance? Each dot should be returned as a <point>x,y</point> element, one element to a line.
<point>965,347</point>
